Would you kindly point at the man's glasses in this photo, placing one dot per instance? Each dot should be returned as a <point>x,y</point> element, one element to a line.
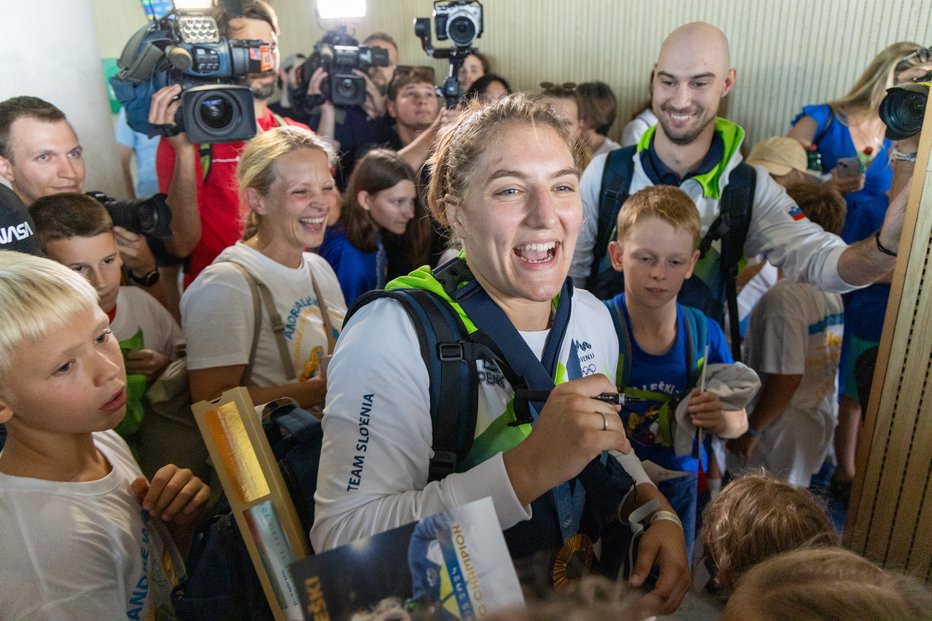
<point>552,88</point>
<point>420,70</point>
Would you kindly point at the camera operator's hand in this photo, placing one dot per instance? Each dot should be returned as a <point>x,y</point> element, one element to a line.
<point>134,251</point>
<point>162,110</point>
<point>846,185</point>
<point>317,78</point>
<point>146,362</point>
<point>374,105</point>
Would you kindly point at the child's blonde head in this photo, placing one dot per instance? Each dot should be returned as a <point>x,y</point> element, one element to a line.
<point>664,202</point>
<point>758,516</point>
<point>37,296</point>
<point>826,584</point>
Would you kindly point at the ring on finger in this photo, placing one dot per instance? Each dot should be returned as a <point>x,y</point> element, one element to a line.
<point>604,421</point>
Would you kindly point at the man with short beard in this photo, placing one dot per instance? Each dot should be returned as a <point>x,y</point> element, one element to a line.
<point>181,165</point>
<point>693,149</point>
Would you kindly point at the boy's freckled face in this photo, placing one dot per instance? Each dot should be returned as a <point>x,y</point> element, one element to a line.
<point>96,258</point>
<point>71,381</point>
<point>656,258</point>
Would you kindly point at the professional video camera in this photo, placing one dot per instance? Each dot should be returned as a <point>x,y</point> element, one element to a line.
<point>338,53</point>
<point>903,109</point>
<point>460,21</point>
<point>150,216</point>
<point>185,47</point>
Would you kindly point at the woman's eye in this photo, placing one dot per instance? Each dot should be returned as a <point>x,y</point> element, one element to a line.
<point>64,368</point>
<point>103,337</point>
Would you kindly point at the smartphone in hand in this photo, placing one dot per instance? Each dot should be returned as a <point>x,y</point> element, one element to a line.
<point>849,167</point>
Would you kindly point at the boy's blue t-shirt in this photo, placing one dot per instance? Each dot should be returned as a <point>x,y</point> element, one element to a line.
<point>667,374</point>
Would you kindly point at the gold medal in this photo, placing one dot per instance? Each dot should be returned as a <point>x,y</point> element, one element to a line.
<point>574,558</point>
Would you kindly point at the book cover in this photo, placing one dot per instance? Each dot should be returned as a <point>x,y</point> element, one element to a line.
<point>450,566</point>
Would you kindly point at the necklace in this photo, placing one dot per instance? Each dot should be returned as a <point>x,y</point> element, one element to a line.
<point>867,132</point>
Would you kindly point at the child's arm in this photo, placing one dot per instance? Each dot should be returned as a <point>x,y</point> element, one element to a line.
<point>776,392</point>
<point>705,411</point>
<point>177,497</point>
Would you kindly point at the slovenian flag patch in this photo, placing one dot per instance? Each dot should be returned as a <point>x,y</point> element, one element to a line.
<point>796,213</point>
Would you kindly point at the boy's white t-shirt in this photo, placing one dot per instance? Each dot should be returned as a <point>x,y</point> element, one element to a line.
<point>137,310</point>
<point>84,551</point>
<point>797,329</point>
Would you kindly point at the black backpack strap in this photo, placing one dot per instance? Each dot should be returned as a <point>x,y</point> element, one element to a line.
<point>450,356</point>
<point>616,182</point>
<point>736,207</point>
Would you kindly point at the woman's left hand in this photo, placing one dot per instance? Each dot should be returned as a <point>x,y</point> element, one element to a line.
<point>664,545</point>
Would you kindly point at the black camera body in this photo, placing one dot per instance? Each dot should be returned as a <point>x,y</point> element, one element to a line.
<point>147,216</point>
<point>186,48</point>
<point>339,54</point>
<point>459,21</point>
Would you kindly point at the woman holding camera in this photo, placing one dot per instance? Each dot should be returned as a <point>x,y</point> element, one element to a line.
<point>505,180</point>
<point>381,197</point>
<point>846,129</point>
<point>286,188</point>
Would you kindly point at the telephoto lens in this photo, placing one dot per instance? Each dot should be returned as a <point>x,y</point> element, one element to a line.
<point>903,109</point>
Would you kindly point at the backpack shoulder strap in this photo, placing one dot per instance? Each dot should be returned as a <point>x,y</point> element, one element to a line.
<point>450,357</point>
<point>736,207</point>
<point>616,182</point>
<point>697,337</point>
<point>260,292</point>
<point>623,372</point>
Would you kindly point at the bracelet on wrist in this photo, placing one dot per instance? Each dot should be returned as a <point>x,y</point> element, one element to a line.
<point>901,156</point>
<point>668,516</point>
<point>881,247</point>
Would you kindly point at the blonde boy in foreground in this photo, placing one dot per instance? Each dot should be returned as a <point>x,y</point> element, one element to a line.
<point>82,534</point>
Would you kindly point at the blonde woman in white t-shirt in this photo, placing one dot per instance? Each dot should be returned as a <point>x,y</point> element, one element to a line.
<point>286,188</point>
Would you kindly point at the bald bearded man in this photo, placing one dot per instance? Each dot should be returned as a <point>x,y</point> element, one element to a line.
<point>690,147</point>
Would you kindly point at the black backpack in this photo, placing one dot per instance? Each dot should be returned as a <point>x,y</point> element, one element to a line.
<point>731,226</point>
<point>222,583</point>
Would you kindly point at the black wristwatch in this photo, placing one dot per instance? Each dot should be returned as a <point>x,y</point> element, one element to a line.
<point>143,281</point>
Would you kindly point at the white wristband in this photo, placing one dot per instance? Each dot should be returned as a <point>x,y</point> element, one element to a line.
<point>668,516</point>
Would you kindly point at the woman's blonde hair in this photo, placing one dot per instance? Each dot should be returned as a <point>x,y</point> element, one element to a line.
<point>462,141</point>
<point>826,584</point>
<point>256,168</point>
<point>37,296</point>
<point>757,516</point>
<point>869,90</point>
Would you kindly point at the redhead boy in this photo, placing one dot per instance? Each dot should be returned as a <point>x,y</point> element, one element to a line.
<point>82,534</point>
<point>656,249</point>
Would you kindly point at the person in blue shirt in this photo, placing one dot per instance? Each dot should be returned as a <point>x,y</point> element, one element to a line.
<point>381,196</point>
<point>658,228</point>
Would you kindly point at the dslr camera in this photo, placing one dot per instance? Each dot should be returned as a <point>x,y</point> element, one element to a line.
<point>148,216</point>
<point>338,53</point>
<point>903,109</point>
<point>185,47</point>
<point>459,21</point>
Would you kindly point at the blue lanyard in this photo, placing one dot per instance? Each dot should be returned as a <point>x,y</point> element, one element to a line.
<point>497,331</point>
